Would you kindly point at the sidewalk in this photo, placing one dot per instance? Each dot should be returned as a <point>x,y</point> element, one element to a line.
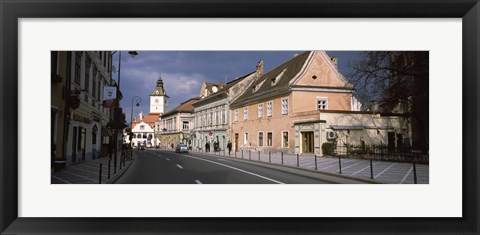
<point>383,172</point>
<point>88,172</point>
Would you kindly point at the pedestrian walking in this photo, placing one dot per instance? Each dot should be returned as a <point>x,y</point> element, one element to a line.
<point>207,147</point>
<point>229,146</point>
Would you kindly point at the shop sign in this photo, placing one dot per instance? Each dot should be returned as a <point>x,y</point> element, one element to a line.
<point>80,118</point>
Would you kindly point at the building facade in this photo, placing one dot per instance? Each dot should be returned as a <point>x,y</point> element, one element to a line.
<point>145,129</point>
<point>176,125</point>
<point>280,110</point>
<point>79,121</point>
<point>211,113</point>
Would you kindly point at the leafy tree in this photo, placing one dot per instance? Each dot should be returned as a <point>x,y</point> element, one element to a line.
<point>396,82</point>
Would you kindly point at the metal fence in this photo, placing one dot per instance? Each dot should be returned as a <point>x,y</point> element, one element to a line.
<point>382,153</point>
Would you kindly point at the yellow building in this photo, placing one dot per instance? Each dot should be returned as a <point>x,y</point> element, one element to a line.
<point>177,125</point>
<point>78,118</point>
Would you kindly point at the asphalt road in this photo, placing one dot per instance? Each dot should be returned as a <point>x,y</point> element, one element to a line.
<point>166,167</point>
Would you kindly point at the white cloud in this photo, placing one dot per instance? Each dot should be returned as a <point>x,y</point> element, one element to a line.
<point>180,84</point>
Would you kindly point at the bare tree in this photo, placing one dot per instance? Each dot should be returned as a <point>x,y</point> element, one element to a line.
<point>393,79</point>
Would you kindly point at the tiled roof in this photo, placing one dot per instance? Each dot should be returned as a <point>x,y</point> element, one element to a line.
<point>183,107</point>
<point>221,92</point>
<point>149,119</point>
<point>283,74</point>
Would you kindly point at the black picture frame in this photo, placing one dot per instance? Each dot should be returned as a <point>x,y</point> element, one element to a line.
<point>11,11</point>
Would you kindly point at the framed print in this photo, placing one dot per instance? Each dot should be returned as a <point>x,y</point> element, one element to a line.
<point>31,30</point>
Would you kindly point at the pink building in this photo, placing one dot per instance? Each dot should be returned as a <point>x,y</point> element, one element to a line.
<point>280,110</point>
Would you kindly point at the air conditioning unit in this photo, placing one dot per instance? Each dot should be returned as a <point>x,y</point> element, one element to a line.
<point>331,135</point>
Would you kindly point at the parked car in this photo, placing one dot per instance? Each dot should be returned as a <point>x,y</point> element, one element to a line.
<point>181,148</point>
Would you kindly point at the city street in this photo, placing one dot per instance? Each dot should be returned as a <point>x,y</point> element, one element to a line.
<point>166,167</point>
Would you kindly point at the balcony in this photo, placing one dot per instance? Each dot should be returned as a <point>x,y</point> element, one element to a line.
<point>211,127</point>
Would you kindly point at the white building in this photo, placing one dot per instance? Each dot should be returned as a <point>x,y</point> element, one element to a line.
<point>211,113</point>
<point>145,129</point>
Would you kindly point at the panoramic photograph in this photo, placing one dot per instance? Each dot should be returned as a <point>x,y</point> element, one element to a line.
<point>239,117</point>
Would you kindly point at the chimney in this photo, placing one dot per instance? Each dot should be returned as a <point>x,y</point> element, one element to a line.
<point>259,71</point>
<point>334,62</point>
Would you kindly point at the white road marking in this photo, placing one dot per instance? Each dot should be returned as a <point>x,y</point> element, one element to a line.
<point>336,165</point>
<point>231,167</point>
<point>364,169</point>
<point>71,173</point>
<point>379,174</point>
<point>406,175</point>
<point>61,179</point>
<point>168,159</point>
<point>198,182</point>
<point>179,166</point>
<point>343,168</point>
<point>325,163</point>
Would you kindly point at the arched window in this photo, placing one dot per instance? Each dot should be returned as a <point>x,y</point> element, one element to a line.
<point>144,136</point>
<point>139,136</point>
<point>94,134</point>
<point>150,136</point>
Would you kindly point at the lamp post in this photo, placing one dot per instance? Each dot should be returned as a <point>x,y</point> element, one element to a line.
<point>116,114</point>
<point>137,100</point>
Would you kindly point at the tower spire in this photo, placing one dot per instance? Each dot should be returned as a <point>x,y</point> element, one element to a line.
<point>160,81</point>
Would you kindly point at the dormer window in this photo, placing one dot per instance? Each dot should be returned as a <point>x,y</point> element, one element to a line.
<point>277,78</point>
<point>214,89</point>
<point>257,87</point>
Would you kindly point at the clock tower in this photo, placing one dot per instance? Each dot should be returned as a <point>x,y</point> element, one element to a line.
<point>158,98</point>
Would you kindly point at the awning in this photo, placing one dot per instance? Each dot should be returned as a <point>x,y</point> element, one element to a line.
<point>106,132</point>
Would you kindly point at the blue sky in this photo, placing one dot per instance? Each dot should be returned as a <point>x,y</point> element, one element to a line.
<point>183,72</point>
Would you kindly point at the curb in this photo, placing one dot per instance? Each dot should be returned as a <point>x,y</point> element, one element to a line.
<point>117,176</point>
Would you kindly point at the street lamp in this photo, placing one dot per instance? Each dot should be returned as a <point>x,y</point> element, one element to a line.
<point>137,100</point>
<point>117,114</point>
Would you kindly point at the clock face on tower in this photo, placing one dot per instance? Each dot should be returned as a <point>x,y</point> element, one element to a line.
<point>156,100</point>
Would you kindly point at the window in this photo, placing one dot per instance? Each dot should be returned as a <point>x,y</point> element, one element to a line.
<point>78,65</point>
<point>104,59</point>
<point>245,138</point>
<point>99,87</point>
<point>277,78</point>
<point>235,116</point>
<point>285,139</point>
<point>245,113</point>
<point>186,125</point>
<point>94,83</point>
<point>223,115</point>
<point>260,110</point>
<point>88,63</point>
<point>260,139</point>
<point>322,103</point>
<point>269,108</point>
<point>284,106</point>
<point>142,127</point>
<point>53,62</point>
<point>269,138</point>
